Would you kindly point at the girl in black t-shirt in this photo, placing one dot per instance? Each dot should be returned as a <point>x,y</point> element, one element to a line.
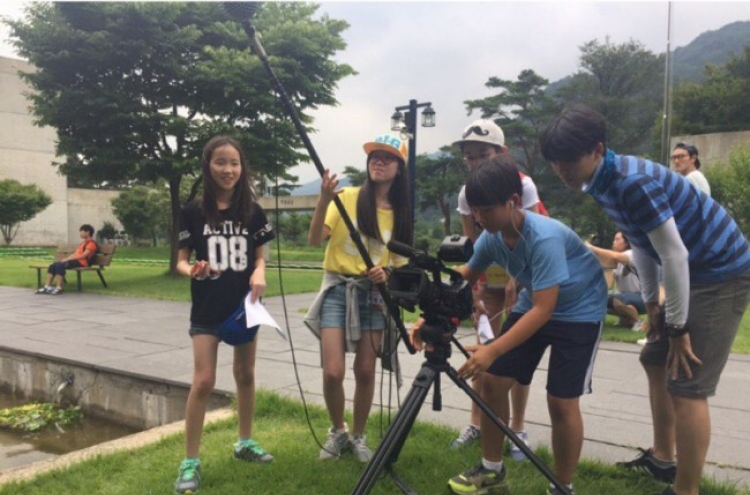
<point>226,230</point>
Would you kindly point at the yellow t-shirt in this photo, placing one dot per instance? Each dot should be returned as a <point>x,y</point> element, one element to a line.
<point>342,255</point>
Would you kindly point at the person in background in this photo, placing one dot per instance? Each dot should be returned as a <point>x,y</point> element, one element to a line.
<point>349,314</point>
<point>705,262</point>
<point>495,291</point>
<point>226,231</point>
<point>686,163</point>
<point>83,256</point>
<point>626,301</point>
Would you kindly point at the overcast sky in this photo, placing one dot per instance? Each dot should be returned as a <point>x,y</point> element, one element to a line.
<point>444,53</point>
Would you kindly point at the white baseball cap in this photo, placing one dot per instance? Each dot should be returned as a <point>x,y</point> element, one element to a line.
<point>482,131</point>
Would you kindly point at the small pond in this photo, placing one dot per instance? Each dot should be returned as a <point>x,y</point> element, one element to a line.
<point>19,449</point>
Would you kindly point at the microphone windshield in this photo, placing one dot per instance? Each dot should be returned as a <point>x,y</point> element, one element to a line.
<point>240,11</point>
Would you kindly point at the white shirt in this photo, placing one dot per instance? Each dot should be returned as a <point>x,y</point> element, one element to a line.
<point>699,180</point>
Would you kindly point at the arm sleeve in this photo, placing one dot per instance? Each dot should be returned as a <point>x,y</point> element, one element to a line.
<point>530,195</point>
<point>648,275</point>
<point>674,261</point>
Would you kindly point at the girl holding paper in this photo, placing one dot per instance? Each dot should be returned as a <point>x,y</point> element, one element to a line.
<point>226,230</point>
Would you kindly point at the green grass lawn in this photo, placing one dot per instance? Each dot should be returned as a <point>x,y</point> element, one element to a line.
<point>425,463</point>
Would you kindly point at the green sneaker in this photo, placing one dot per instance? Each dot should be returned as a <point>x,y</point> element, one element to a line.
<point>479,481</point>
<point>189,477</point>
<point>249,450</point>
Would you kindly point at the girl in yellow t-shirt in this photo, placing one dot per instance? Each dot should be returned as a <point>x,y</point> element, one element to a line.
<point>348,314</point>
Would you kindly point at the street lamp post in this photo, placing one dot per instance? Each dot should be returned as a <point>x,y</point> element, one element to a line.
<point>406,125</point>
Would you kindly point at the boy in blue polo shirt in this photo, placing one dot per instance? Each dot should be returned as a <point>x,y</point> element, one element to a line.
<point>705,261</point>
<point>562,306</point>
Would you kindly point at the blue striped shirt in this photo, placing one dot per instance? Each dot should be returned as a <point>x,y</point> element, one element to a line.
<point>640,195</point>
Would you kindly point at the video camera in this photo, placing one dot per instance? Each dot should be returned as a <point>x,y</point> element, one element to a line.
<point>441,302</point>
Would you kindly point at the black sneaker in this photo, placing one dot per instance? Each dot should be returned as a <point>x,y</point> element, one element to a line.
<point>646,463</point>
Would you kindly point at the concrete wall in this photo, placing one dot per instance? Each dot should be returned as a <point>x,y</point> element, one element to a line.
<point>714,148</point>
<point>134,400</point>
<point>26,155</point>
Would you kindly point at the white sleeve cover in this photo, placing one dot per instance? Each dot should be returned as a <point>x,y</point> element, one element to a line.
<point>674,261</point>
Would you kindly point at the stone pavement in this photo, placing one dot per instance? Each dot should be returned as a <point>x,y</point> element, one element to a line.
<point>149,337</point>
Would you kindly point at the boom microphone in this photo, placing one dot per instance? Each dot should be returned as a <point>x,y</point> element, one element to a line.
<point>402,249</point>
<point>241,11</point>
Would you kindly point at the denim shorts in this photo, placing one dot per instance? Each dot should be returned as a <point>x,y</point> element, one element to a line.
<point>333,310</point>
<point>629,299</point>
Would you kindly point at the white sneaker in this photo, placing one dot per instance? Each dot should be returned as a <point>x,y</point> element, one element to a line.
<point>338,442</point>
<point>639,326</point>
<point>360,449</point>
<point>515,452</point>
<point>469,435</point>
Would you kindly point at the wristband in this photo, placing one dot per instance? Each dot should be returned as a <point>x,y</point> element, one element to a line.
<point>675,331</point>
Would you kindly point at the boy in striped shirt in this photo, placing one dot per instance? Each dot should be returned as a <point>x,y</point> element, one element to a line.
<point>705,261</point>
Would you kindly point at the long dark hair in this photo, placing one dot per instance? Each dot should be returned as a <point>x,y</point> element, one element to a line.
<point>398,196</point>
<point>243,197</point>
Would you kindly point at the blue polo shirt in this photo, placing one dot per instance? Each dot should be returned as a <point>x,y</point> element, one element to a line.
<point>640,195</point>
<point>548,254</point>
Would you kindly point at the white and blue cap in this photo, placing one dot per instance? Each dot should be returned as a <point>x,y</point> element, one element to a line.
<point>389,143</point>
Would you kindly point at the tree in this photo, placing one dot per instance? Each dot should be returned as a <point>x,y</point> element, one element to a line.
<point>355,175</point>
<point>143,211</point>
<point>439,178</point>
<point>720,104</point>
<point>730,185</point>
<point>134,90</point>
<point>624,83</point>
<point>19,203</point>
<point>522,108</point>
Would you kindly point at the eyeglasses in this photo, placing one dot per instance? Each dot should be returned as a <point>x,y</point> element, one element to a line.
<point>475,129</point>
<point>680,156</point>
<point>382,157</point>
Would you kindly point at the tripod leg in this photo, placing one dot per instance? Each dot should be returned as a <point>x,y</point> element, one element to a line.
<point>394,439</point>
<point>486,409</point>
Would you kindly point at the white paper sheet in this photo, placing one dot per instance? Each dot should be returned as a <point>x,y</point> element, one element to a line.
<point>484,329</point>
<point>256,314</point>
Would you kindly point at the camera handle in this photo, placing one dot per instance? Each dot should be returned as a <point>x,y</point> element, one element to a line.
<point>391,444</point>
<point>243,12</point>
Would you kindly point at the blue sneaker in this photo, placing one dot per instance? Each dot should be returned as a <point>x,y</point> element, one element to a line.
<point>249,450</point>
<point>515,452</point>
<point>189,477</point>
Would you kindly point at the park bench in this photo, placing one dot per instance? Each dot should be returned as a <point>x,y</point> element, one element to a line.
<point>103,260</point>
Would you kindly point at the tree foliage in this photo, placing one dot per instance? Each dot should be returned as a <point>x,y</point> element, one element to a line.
<point>625,84</point>
<point>134,90</point>
<point>439,178</point>
<point>720,104</point>
<point>19,203</point>
<point>355,175</point>
<point>730,185</point>
<point>143,211</point>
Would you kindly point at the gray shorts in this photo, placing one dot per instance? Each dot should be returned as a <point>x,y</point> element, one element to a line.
<point>713,319</point>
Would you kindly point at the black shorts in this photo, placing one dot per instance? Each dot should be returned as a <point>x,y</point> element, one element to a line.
<point>571,362</point>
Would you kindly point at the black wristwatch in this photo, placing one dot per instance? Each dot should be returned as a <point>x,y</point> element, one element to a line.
<point>675,330</point>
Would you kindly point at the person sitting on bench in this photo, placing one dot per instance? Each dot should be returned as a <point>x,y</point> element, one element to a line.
<point>82,257</point>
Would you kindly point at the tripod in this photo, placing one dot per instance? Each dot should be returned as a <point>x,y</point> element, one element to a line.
<point>437,354</point>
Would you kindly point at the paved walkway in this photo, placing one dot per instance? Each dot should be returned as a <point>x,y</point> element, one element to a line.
<point>150,337</point>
